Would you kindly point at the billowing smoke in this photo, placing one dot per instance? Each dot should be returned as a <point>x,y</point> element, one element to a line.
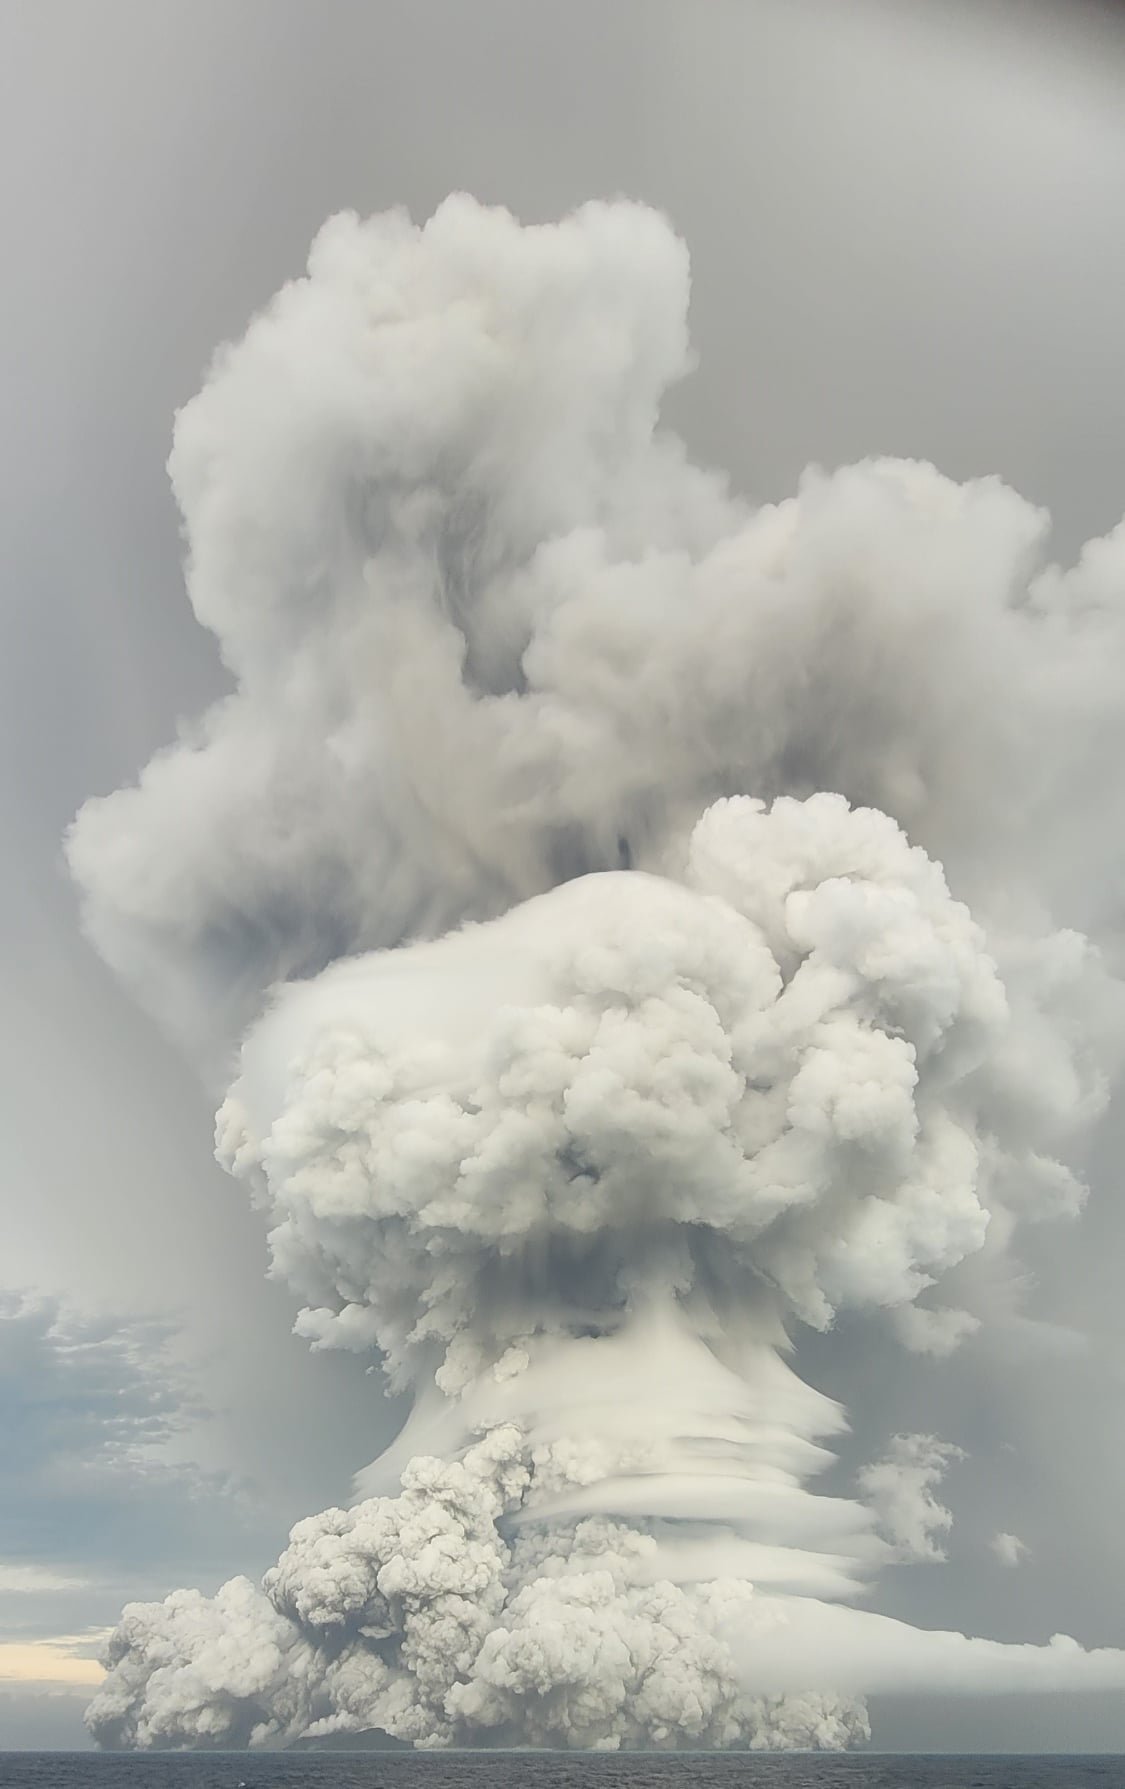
<point>580,865</point>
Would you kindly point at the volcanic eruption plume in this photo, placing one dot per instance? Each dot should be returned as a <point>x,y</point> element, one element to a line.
<point>648,924</point>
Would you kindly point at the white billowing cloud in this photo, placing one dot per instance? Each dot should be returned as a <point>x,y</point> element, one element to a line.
<point>416,1616</point>
<point>582,859</point>
<point>900,1491</point>
<point>1009,1549</point>
<point>781,1073</point>
<point>938,1332</point>
<point>489,628</point>
<point>401,1614</point>
<point>195,1670</point>
<point>565,1169</point>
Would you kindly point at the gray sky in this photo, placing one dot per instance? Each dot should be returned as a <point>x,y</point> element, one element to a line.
<point>905,230</point>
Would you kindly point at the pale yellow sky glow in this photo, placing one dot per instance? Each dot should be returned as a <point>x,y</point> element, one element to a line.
<point>54,1661</point>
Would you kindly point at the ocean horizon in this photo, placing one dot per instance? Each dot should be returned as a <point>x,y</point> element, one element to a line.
<point>511,1769</point>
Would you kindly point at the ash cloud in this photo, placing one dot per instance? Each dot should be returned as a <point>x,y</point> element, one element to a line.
<point>1009,1549</point>
<point>643,925</point>
<point>900,1490</point>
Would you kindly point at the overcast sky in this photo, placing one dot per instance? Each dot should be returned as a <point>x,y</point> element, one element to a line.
<point>905,227</point>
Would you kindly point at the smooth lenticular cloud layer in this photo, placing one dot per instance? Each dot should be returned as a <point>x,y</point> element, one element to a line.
<point>582,859</point>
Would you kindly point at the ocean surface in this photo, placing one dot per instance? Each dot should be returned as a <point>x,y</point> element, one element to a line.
<point>553,1770</point>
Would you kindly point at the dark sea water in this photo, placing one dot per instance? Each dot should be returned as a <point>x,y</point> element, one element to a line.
<point>552,1770</point>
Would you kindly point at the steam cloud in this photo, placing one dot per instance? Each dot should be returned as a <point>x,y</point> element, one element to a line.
<point>581,857</point>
